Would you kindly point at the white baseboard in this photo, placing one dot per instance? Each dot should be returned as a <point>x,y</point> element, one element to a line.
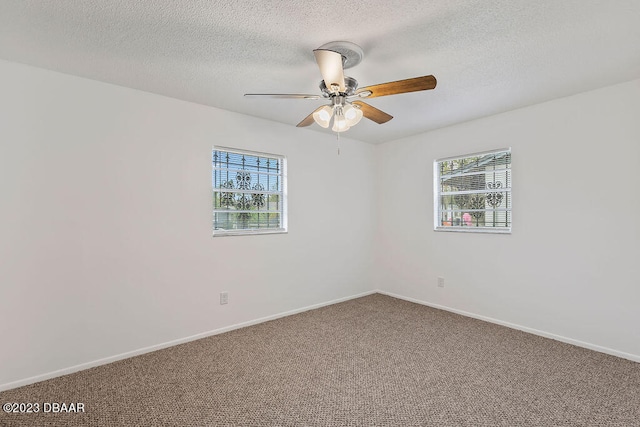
<point>106,360</point>
<point>110,359</point>
<point>606,350</point>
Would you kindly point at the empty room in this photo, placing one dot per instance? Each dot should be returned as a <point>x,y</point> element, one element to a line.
<point>268,213</point>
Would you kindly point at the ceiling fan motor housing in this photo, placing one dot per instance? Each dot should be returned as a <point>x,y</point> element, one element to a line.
<point>350,85</point>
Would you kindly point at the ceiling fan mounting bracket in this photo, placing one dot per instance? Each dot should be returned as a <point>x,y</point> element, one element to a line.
<point>352,54</point>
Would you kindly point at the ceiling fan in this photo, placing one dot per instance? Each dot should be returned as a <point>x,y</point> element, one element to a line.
<point>346,108</point>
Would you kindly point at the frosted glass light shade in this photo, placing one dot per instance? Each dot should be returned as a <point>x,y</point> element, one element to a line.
<point>323,116</point>
<point>340,124</point>
<point>352,114</point>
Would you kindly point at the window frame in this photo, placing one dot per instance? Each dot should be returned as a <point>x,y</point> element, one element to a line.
<point>469,229</point>
<point>283,211</point>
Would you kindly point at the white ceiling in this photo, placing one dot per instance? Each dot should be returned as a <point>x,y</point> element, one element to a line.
<point>488,56</point>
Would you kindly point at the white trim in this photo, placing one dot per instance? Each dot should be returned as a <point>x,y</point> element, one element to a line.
<point>128,354</point>
<point>250,152</point>
<point>436,199</point>
<point>472,229</point>
<point>480,153</point>
<point>589,346</point>
<point>284,220</point>
<point>249,232</point>
<point>111,359</point>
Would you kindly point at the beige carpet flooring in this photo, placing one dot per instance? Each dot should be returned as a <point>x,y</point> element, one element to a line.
<point>372,361</point>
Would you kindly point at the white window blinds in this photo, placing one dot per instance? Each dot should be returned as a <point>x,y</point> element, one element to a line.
<point>249,192</point>
<point>473,192</point>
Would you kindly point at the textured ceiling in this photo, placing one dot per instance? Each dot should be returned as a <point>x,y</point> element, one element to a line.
<point>488,56</point>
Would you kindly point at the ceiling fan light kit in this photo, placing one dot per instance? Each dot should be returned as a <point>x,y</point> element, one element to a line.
<point>346,109</point>
<point>343,113</point>
<point>344,117</point>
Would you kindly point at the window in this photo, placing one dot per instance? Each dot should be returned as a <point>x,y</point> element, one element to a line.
<point>249,192</point>
<point>473,193</point>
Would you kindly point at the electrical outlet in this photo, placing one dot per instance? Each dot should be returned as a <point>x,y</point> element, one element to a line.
<point>224,298</point>
<point>441,282</point>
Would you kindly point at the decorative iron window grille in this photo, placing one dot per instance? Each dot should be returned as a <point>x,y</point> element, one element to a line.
<point>249,192</point>
<point>473,193</point>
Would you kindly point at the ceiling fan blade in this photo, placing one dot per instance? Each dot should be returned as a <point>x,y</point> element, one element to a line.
<point>372,113</point>
<point>284,95</point>
<point>401,86</point>
<point>307,121</point>
<point>330,64</point>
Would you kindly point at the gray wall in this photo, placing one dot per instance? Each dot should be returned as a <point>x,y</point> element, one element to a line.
<point>106,223</point>
<point>571,267</point>
<point>106,247</point>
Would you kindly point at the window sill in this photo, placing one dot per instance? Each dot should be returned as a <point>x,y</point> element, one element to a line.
<point>475,230</point>
<point>255,232</point>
